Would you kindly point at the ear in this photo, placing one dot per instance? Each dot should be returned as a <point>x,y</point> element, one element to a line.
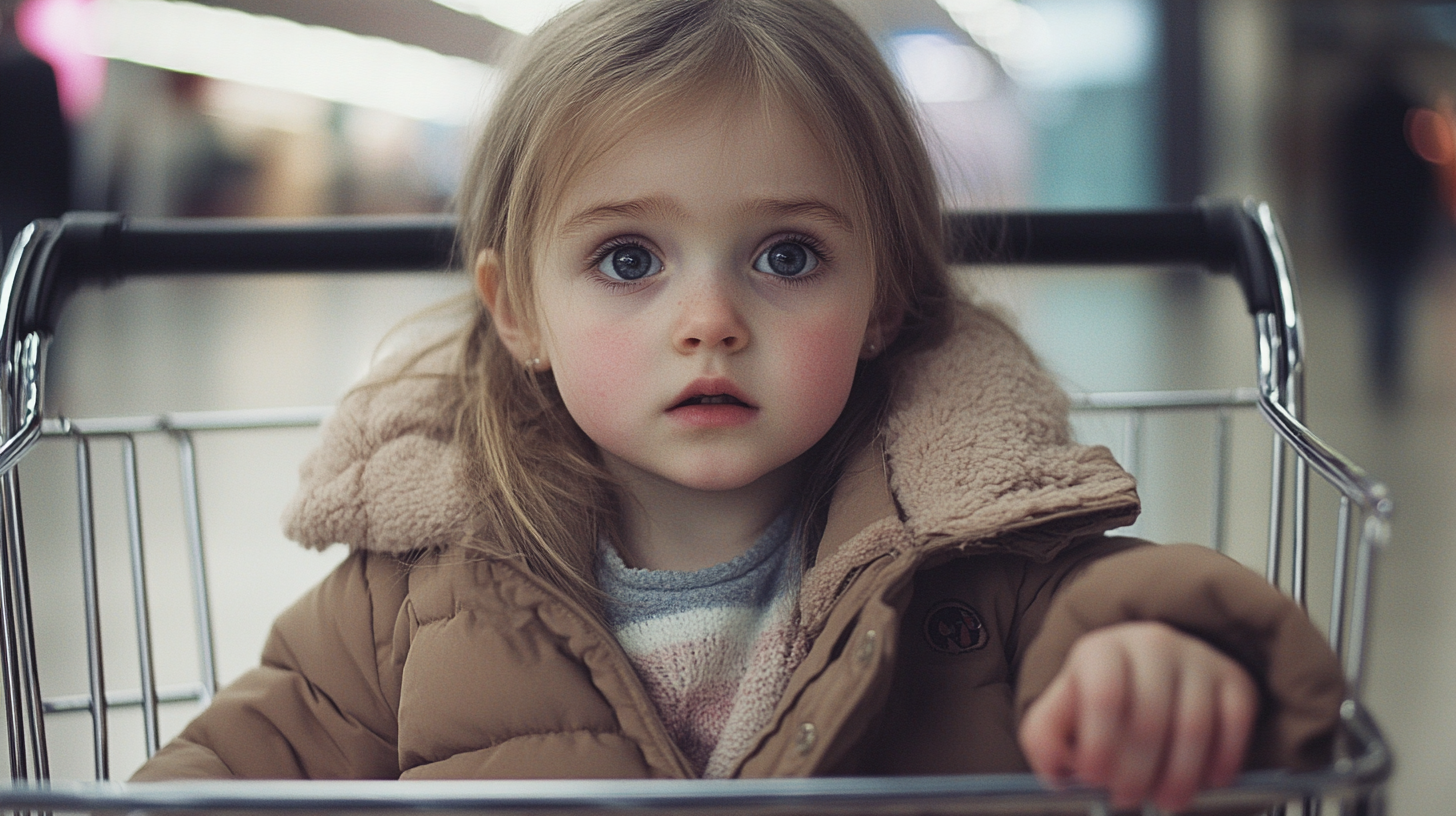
<point>883,327</point>
<point>514,332</point>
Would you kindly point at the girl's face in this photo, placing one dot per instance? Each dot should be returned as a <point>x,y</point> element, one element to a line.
<point>705,296</point>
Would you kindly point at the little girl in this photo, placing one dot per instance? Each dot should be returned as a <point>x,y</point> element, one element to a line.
<point>724,480</point>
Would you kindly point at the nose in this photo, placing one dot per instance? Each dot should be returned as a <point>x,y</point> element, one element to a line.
<point>710,318</point>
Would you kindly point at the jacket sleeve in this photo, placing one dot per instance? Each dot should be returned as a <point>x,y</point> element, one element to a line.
<point>322,703</point>
<point>1210,596</point>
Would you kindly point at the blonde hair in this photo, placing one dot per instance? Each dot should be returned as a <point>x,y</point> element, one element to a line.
<point>542,490</point>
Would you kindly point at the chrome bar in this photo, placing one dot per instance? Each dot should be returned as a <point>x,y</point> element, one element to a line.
<point>1279,338</point>
<point>1276,512</point>
<point>22,422</point>
<point>100,739</point>
<point>1270,346</point>
<point>1222,452</point>
<point>14,664</point>
<point>125,698</point>
<point>33,240</point>
<point>24,624</point>
<point>1299,561</point>
<point>1289,373</point>
<point>302,417</point>
<point>10,665</point>
<point>1292,372</point>
<point>191,421</point>
<point>1132,438</point>
<point>1129,400</point>
<point>24,245</point>
<point>25,371</point>
<point>202,603</point>
<point>1376,534</point>
<point>29,374</point>
<point>1338,582</point>
<point>1347,477</point>
<point>139,595</point>
<point>1352,777</point>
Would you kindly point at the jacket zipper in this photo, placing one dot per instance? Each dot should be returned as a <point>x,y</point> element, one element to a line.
<point>776,723</point>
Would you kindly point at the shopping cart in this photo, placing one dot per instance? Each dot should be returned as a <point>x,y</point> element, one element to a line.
<point>51,260</point>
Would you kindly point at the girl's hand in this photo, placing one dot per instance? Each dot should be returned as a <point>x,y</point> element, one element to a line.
<point>1146,712</point>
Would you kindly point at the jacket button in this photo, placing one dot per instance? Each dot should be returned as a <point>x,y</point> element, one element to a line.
<point>866,651</point>
<point>804,742</point>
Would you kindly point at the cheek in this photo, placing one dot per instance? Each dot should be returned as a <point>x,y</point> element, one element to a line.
<point>820,369</point>
<point>596,373</point>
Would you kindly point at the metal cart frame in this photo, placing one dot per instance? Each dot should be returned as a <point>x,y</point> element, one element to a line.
<point>51,259</point>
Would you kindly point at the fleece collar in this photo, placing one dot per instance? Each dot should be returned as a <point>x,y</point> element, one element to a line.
<point>978,446</point>
<point>976,456</point>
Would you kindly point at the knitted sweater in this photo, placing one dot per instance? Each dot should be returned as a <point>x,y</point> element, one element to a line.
<point>714,647</point>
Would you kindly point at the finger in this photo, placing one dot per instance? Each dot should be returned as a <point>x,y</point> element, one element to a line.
<point>1191,743</point>
<point>1238,706</point>
<point>1104,687</point>
<point>1145,735</point>
<point>1047,731</point>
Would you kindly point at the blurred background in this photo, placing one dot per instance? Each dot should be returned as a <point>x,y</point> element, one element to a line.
<point>1339,113</point>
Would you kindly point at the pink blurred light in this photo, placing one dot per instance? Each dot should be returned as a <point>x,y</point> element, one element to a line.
<point>61,33</point>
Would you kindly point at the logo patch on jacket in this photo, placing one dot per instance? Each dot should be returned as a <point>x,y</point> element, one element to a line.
<point>954,628</point>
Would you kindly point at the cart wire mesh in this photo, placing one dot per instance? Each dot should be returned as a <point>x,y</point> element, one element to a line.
<point>50,260</point>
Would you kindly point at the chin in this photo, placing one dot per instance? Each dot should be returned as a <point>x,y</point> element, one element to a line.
<point>717,482</point>
<point>719,475</point>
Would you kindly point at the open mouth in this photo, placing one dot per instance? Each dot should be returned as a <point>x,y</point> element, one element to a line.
<point>713,402</point>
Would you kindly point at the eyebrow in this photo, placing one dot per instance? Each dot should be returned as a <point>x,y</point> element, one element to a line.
<point>667,209</point>
<point>807,207</point>
<point>657,206</point>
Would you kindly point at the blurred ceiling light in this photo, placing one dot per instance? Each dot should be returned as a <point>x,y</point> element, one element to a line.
<point>1011,31</point>
<point>1431,132</point>
<point>521,16</point>
<point>1094,43</point>
<point>275,53</point>
<point>935,68</point>
<point>59,31</point>
<point>1062,43</point>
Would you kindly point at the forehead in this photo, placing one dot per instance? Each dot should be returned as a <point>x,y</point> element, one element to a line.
<point>705,150</point>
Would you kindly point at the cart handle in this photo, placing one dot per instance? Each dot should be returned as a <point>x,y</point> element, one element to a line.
<point>1221,237</point>
<point>26,372</point>
<point>101,248</point>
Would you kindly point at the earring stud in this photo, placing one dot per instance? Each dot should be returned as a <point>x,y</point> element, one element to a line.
<point>533,363</point>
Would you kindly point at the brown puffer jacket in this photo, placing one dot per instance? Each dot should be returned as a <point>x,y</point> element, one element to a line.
<point>961,560</point>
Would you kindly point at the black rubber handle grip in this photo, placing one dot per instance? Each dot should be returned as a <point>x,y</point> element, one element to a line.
<point>1219,237</point>
<point>101,248</point>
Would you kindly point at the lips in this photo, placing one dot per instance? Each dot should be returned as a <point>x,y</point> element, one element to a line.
<point>712,391</point>
<point>711,403</point>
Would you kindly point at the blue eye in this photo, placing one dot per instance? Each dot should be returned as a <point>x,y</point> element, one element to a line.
<point>787,259</point>
<point>629,262</point>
